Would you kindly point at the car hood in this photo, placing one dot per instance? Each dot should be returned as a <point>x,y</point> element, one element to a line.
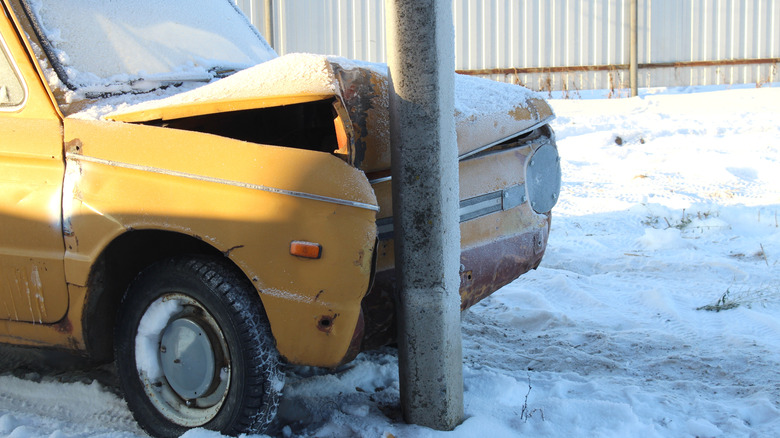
<point>486,112</point>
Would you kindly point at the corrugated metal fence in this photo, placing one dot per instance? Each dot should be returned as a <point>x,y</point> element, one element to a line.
<point>559,44</point>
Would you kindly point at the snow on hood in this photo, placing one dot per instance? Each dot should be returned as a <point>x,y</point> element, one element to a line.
<point>289,75</point>
<point>485,111</point>
<point>488,111</point>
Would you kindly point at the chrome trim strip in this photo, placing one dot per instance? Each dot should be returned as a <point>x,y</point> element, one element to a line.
<point>384,228</point>
<point>488,146</point>
<point>174,173</point>
<point>481,205</point>
<point>471,208</point>
<point>381,180</point>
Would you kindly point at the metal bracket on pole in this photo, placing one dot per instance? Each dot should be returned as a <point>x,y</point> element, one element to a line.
<point>421,60</point>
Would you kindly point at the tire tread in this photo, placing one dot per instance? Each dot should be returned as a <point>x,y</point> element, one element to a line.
<point>259,399</point>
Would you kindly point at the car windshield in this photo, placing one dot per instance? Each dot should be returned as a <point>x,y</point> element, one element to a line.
<point>114,45</point>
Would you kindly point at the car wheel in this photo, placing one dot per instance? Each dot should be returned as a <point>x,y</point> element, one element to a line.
<point>194,349</point>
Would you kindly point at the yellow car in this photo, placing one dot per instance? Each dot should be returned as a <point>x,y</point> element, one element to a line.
<point>176,197</point>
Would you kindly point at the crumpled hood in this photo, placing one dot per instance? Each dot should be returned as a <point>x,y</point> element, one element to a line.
<point>298,77</point>
<point>485,111</point>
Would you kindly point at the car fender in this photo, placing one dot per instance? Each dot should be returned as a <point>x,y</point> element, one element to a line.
<point>248,201</point>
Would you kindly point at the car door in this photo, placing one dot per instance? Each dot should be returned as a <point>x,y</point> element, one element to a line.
<point>32,280</point>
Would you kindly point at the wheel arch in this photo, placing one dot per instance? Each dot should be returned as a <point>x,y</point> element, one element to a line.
<point>117,266</point>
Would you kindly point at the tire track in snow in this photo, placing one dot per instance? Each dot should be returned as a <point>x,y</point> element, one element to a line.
<point>35,406</point>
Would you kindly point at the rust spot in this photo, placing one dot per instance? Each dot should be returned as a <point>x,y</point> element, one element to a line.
<point>64,326</point>
<point>491,266</point>
<point>361,255</point>
<point>466,278</point>
<point>325,323</point>
<point>357,338</point>
<point>520,114</point>
<point>73,146</point>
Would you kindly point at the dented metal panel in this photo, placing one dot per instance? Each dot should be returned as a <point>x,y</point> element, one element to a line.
<point>365,98</point>
<point>486,265</point>
<point>32,281</point>
<point>501,236</point>
<point>216,105</point>
<point>117,185</point>
<point>365,95</point>
<point>77,157</point>
<point>175,167</point>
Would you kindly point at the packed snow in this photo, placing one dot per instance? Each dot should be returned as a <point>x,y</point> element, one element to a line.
<point>147,341</point>
<point>655,312</point>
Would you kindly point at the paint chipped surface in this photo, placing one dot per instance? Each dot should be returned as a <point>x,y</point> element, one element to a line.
<point>36,293</point>
<point>25,298</point>
<point>70,194</point>
<point>290,296</point>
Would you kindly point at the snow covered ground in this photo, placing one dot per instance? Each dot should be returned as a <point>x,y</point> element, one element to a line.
<point>656,311</point>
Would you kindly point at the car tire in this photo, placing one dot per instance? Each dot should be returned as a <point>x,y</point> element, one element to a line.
<point>194,349</point>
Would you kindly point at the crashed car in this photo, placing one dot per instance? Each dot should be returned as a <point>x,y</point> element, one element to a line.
<point>179,199</point>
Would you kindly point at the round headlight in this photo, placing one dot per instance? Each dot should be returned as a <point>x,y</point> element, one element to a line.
<point>543,178</point>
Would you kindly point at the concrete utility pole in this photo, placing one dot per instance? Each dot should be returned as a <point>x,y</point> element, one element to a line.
<point>421,59</point>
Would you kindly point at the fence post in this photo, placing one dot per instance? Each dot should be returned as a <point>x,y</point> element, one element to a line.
<point>633,53</point>
<point>269,22</point>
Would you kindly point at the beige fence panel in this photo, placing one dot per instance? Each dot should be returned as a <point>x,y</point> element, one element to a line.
<point>566,45</point>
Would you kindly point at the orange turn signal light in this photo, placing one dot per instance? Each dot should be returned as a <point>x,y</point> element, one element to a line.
<point>307,250</point>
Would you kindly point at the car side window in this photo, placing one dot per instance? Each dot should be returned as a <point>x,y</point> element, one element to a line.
<point>12,90</point>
